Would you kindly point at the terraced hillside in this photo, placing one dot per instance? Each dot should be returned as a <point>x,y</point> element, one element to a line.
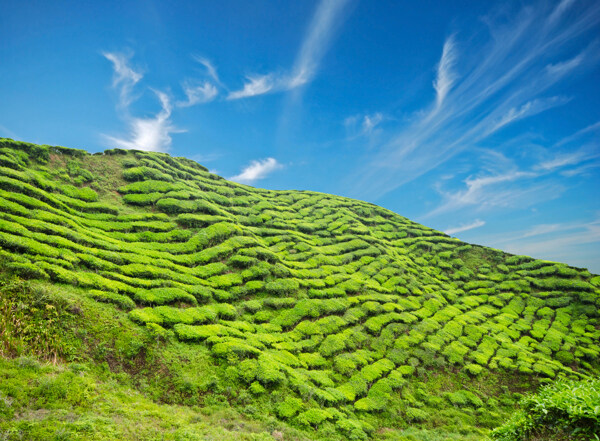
<point>336,315</point>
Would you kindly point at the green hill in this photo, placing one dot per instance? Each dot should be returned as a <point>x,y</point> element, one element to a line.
<point>174,304</point>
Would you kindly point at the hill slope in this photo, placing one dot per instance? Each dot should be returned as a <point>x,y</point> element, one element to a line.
<point>332,314</point>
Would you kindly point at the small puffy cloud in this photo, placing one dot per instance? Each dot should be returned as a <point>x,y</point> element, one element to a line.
<point>257,170</point>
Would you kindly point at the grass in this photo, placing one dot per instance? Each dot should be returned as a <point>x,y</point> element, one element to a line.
<point>202,292</point>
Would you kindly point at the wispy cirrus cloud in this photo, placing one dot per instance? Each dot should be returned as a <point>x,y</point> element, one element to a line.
<point>148,133</point>
<point>151,134</point>
<point>501,183</point>
<point>465,227</point>
<point>317,41</point>
<point>314,46</point>
<point>445,72</point>
<point>210,68</point>
<point>198,93</point>
<point>493,191</point>
<point>257,170</point>
<point>124,77</point>
<point>479,92</point>
<point>361,125</point>
<point>255,85</point>
<point>574,242</point>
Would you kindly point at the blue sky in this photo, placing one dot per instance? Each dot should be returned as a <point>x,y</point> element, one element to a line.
<point>480,119</point>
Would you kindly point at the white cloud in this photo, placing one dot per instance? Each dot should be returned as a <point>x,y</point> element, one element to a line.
<point>255,85</point>
<point>124,76</point>
<point>475,224</point>
<point>370,122</point>
<point>566,159</point>
<point>580,170</point>
<point>485,192</point>
<point>573,242</point>
<point>445,71</point>
<point>257,170</point>
<point>363,125</point>
<point>198,93</point>
<point>210,68</point>
<point>560,10</point>
<point>494,90</point>
<point>314,47</point>
<point>150,134</point>
<point>316,42</point>
<point>530,108</point>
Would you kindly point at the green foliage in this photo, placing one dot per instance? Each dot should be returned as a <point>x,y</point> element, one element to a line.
<point>34,321</point>
<point>121,301</point>
<point>310,303</point>
<point>565,409</point>
<point>84,193</point>
<point>289,407</point>
<point>162,296</point>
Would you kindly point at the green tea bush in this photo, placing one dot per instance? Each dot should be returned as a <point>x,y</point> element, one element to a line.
<point>162,296</point>
<point>565,409</point>
<point>141,199</point>
<point>289,407</point>
<point>84,193</point>
<point>145,173</point>
<point>282,286</point>
<point>121,301</point>
<point>313,417</point>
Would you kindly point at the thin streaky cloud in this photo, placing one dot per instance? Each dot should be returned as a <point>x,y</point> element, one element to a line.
<point>591,128</point>
<point>566,242</point>
<point>580,170</point>
<point>198,93</point>
<point>125,77</point>
<point>370,122</point>
<point>462,228</point>
<point>316,41</point>
<point>9,133</point>
<point>560,10</point>
<point>569,158</point>
<point>255,85</point>
<point>257,170</point>
<point>210,68</point>
<point>496,91</point>
<point>528,109</point>
<point>573,242</point>
<point>445,71</point>
<point>484,192</point>
<point>314,46</point>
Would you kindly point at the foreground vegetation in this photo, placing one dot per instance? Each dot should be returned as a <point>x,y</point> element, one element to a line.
<point>313,315</point>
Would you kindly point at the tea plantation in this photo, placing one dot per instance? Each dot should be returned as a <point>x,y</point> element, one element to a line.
<point>229,312</point>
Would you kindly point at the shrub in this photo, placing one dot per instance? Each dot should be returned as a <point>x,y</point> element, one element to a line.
<point>565,409</point>
<point>314,417</point>
<point>121,301</point>
<point>162,296</point>
<point>27,270</point>
<point>289,407</point>
<point>282,286</point>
